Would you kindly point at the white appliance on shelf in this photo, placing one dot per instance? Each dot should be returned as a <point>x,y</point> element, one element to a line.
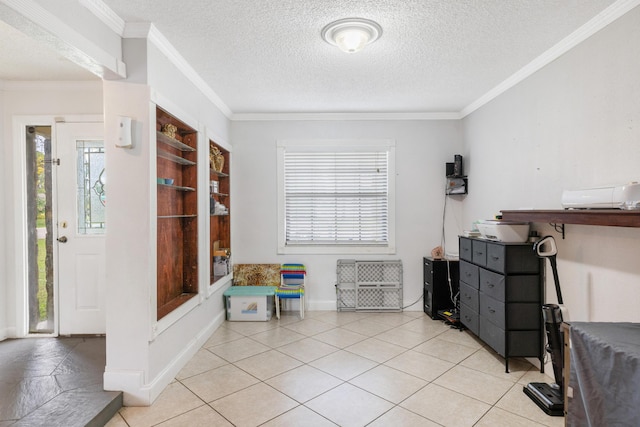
<point>503,231</point>
<point>613,197</point>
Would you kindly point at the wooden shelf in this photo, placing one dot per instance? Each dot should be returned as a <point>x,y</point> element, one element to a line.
<point>174,158</point>
<point>161,137</point>
<point>605,217</point>
<point>176,216</point>
<point>220,174</point>
<point>167,308</point>
<point>178,187</point>
<point>216,278</point>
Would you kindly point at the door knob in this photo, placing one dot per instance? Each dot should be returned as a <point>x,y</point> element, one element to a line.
<point>62,239</point>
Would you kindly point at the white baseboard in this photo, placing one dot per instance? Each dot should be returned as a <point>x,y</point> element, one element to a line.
<point>322,305</point>
<point>331,306</point>
<point>130,383</point>
<point>170,371</point>
<point>136,392</point>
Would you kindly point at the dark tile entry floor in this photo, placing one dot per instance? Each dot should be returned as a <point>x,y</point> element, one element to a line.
<point>55,382</point>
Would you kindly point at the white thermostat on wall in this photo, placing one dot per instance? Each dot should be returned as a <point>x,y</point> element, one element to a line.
<point>125,139</point>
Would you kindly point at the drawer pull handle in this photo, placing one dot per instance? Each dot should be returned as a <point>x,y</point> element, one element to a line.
<point>490,285</point>
<point>491,310</point>
<point>495,258</point>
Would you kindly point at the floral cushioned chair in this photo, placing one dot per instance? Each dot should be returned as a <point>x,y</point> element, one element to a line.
<point>256,275</point>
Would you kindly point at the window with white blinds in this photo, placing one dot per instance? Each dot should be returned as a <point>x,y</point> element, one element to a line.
<point>336,196</point>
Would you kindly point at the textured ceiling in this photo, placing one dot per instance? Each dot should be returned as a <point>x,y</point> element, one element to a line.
<point>433,56</point>
<point>267,56</point>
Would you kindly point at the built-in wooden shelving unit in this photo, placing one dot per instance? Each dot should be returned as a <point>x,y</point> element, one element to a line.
<point>220,220</point>
<point>177,248</point>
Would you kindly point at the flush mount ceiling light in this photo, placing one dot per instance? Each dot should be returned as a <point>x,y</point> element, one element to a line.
<point>351,34</point>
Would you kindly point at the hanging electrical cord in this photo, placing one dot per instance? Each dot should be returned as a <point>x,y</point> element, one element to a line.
<point>452,297</point>
<point>414,303</point>
<point>443,242</point>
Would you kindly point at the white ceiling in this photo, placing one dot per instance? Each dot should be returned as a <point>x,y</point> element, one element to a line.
<point>267,56</point>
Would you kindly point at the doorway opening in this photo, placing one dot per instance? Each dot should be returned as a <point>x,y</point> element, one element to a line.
<point>39,183</point>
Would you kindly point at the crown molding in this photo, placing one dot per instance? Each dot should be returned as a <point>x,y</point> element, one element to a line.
<point>149,31</point>
<point>344,116</point>
<point>153,35</point>
<point>604,18</point>
<point>105,14</point>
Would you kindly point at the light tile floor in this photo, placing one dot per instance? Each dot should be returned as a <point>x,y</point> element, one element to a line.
<point>345,369</point>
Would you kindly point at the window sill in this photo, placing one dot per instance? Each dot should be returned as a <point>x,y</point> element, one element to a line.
<point>336,250</point>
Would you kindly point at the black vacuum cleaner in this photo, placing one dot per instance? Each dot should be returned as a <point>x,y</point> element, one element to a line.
<point>550,397</point>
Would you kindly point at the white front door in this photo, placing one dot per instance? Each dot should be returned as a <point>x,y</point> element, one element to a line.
<point>80,231</point>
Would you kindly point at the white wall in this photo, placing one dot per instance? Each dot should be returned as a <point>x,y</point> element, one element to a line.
<point>573,124</point>
<point>422,149</point>
<point>3,235</point>
<point>143,355</point>
<point>30,99</point>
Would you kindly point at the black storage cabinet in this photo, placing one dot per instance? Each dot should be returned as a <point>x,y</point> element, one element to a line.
<point>501,295</point>
<point>437,295</point>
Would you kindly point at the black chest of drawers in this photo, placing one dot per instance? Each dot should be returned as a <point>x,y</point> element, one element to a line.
<point>501,295</point>
<point>438,291</point>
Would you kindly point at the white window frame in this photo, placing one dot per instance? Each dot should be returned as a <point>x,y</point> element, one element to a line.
<point>340,145</point>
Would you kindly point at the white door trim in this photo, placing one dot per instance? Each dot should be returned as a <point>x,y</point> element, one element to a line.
<point>19,123</point>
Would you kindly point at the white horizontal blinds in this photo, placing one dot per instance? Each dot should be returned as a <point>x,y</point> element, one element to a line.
<point>336,198</point>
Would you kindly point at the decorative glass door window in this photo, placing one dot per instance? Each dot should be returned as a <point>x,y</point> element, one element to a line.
<point>91,187</point>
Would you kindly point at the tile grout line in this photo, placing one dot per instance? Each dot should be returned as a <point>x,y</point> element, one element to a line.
<point>310,334</point>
